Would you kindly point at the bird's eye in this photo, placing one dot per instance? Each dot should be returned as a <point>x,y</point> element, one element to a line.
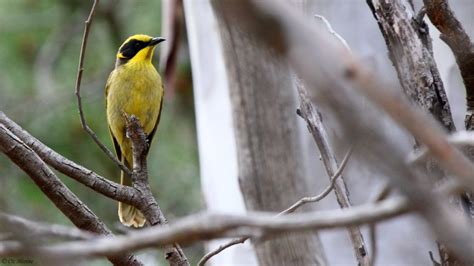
<point>137,44</point>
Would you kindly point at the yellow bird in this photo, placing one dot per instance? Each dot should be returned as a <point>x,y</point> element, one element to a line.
<point>134,88</point>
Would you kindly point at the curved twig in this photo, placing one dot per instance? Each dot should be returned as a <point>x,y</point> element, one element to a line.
<point>80,70</point>
<point>291,209</point>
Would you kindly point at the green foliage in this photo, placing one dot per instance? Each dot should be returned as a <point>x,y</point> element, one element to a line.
<point>38,63</point>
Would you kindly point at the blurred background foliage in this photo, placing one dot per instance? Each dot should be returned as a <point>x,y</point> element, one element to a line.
<point>38,64</point>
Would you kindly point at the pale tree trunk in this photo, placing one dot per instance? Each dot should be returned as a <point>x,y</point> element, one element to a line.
<point>271,173</point>
<point>217,152</point>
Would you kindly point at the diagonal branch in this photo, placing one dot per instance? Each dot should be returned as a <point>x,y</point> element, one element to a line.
<point>334,75</point>
<point>454,35</point>
<point>317,129</point>
<point>69,168</point>
<point>68,203</point>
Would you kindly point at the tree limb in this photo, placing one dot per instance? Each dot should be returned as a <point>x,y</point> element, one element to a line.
<point>211,226</point>
<point>69,168</point>
<point>149,207</point>
<point>68,203</point>
<point>454,35</point>
<point>333,74</point>
<point>291,209</point>
<point>35,230</point>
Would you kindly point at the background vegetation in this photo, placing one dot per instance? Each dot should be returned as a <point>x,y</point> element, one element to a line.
<point>38,64</point>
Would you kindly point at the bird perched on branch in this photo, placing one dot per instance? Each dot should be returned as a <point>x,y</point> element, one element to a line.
<point>134,88</point>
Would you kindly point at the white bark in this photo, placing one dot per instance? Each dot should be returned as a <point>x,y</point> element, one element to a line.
<point>217,152</point>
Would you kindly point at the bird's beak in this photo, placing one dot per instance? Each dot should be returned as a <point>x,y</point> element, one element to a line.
<point>156,41</point>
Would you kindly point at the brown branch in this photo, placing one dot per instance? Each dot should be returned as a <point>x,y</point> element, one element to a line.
<point>291,209</point>
<point>454,35</point>
<point>139,196</point>
<point>325,192</point>
<point>410,50</point>
<point>317,129</point>
<point>221,248</point>
<point>69,168</point>
<point>333,74</point>
<point>37,230</point>
<point>149,207</point>
<point>210,226</point>
<point>68,203</point>
<point>80,70</point>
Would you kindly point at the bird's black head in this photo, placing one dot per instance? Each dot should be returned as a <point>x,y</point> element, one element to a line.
<point>137,48</point>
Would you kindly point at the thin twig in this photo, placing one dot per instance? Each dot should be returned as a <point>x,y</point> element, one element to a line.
<point>80,70</point>
<point>325,192</point>
<point>291,209</point>
<point>380,195</point>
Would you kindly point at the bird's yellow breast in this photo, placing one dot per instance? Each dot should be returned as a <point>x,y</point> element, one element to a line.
<point>133,89</point>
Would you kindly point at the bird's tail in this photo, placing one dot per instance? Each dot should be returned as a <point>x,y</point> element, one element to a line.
<point>129,215</point>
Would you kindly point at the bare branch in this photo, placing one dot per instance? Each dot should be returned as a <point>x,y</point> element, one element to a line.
<point>41,230</point>
<point>381,195</point>
<point>80,70</point>
<point>325,192</point>
<point>333,74</point>
<point>209,226</point>
<point>461,139</point>
<point>410,51</point>
<point>318,130</point>
<point>69,168</point>
<point>454,35</point>
<point>291,209</point>
<point>221,248</point>
<point>55,190</point>
<point>149,206</point>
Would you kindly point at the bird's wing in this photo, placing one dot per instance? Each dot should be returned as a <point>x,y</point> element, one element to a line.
<point>149,138</point>
<point>116,145</point>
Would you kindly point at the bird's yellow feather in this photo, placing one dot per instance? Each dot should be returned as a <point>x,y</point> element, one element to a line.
<point>134,88</point>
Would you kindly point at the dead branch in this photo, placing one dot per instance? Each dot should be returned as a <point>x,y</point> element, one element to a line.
<point>333,74</point>
<point>454,35</point>
<point>36,230</point>
<point>139,196</point>
<point>317,129</point>
<point>68,203</point>
<point>211,226</point>
<point>80,70</point>
<point>149,207</point>
<point>325,192</point>
<point>69,168</point>
<point>291,209</point>
<point>461,139</point>
<point>410,51</point>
